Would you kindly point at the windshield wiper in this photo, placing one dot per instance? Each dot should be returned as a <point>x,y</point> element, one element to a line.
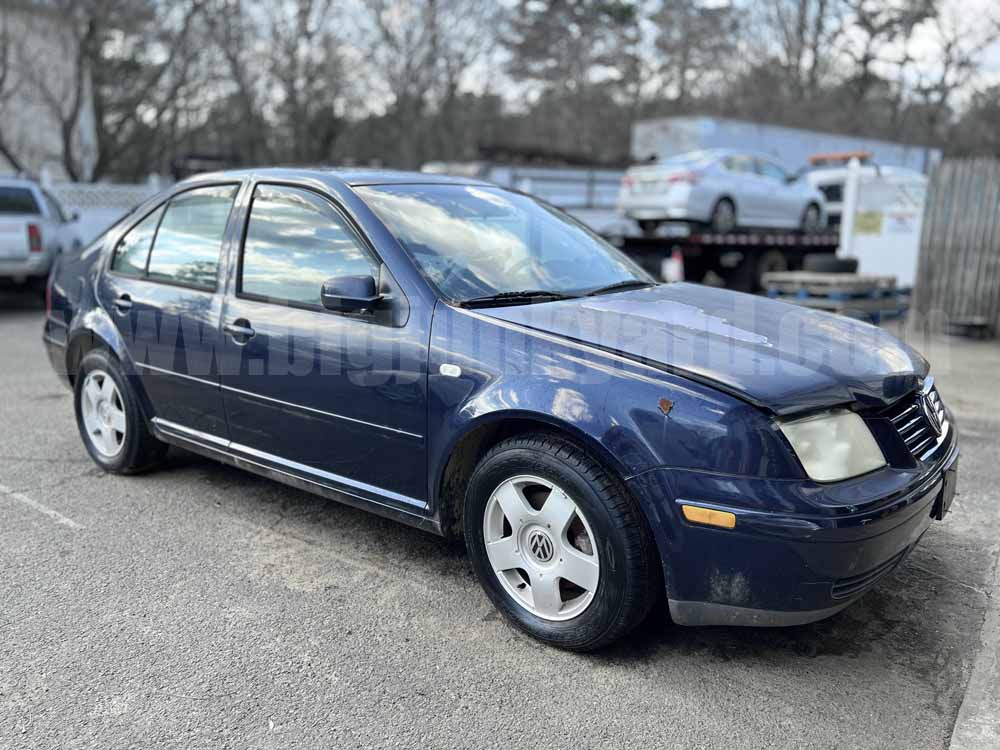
<point>526,296</point>
<point>619,286</point>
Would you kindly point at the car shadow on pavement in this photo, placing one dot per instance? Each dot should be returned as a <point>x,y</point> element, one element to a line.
<point>899,621</point>
<point>21,300</point>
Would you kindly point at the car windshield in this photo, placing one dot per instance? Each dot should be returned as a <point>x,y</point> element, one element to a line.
<point>474,242</point>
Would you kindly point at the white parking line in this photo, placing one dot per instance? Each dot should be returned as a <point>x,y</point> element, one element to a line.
<point>44,509</point>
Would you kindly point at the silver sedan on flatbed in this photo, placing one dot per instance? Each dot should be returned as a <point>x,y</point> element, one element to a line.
<point>727,190</point>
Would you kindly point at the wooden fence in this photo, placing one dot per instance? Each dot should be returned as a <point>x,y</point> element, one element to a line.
<point>958,273</point>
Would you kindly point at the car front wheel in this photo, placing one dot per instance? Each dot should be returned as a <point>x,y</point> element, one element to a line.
<point>558,544</point>
<point>811,218</point>
<point>111,424</point>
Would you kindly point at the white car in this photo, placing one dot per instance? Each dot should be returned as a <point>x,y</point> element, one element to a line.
<point>34,228</point>
<point>725,189</point>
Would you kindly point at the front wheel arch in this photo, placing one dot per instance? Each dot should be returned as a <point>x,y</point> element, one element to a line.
<point>630,579</point>
<point>479,438</point>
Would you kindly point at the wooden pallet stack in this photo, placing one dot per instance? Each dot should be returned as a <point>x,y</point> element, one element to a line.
<point>857,295</point>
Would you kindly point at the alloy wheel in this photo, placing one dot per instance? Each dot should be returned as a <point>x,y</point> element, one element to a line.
<point>541,548</point>
<point>103,412</point>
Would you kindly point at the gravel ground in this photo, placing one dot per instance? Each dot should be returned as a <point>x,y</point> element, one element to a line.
<point>200,606</point>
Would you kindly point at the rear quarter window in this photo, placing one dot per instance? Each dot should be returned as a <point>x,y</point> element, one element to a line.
<point>189,239</point>
<point>16,200</point>
<point>132,250</point>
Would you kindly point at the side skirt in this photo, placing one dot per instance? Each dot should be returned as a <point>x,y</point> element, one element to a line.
<point>219,450</point>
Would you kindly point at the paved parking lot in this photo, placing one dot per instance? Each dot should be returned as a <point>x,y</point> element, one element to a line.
<point>200,606</point>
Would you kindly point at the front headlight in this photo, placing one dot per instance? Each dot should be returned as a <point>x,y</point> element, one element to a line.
<point>833,445</point>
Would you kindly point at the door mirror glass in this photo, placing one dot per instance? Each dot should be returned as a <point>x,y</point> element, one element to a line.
<point>349,293</point>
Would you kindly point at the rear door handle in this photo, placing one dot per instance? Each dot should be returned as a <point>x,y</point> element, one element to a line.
<point>123,304</point>
<point>240,329</point>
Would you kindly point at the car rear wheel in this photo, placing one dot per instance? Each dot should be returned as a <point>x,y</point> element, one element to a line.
<point>648,227</point>
<point>723,217</point>
<point>113,428</point>
<point>558,543</point>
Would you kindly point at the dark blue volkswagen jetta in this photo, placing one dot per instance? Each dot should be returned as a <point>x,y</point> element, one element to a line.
<point>468,360</point>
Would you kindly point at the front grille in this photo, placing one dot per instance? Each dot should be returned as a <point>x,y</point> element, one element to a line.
<point>910,416</point>
<point>832,193</point>
<point>847,587</point>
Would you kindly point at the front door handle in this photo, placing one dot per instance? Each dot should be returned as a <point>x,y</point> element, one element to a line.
<point>240,330</point>
<point>123,304</point>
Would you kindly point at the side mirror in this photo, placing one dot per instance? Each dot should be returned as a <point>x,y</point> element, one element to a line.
<point>350,293</point>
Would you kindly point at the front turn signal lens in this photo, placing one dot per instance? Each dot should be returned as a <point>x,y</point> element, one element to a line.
<point>709,517</point>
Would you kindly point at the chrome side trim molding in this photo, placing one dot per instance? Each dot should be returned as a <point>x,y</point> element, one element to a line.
<point>250,394</point>
<point>240,454</point>
<point>204,437</point>
<point>162,371</point>
<point>331,479</point>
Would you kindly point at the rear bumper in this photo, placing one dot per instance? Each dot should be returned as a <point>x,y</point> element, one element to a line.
<point>680,203</point>
<point>54,339</point>
<point>786,568</point>
<point>36,265</point>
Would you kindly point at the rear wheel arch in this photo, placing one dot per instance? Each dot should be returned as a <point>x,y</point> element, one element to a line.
<point>466,452</point>
<point>85,340</point>
<point>79,346</point>
<point>724,198</point>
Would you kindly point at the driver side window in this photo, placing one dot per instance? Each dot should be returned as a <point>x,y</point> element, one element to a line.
<point>295,241</point>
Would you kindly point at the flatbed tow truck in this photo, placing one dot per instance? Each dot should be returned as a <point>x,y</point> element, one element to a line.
<point>737,260</point>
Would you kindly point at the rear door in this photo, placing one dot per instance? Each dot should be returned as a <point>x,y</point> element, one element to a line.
<point>336,398</point>
<point>781,207</point>
<point>161,290</point>
<point>745,186</point>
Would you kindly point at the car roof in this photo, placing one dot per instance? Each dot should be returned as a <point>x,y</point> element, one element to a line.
<point>349,176</point>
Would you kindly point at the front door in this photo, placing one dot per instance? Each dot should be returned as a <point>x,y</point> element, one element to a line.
<point>161,293</point>
<point>339,399</point>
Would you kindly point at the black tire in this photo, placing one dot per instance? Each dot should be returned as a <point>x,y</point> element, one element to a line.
<point>811,219</point>
<point>769,261</point>
<point>648,227</point>
<point>829,263</point>
<point>723,219</point>
<point>139,451</point>
<point>630,577</point>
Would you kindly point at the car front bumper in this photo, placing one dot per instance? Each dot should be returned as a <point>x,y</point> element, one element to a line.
<point>788,568</point>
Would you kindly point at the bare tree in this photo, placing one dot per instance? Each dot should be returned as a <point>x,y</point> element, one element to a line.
<point>138,78</point>
<point>959,48</point>
<point>697,42</point>
<point>8,86</point>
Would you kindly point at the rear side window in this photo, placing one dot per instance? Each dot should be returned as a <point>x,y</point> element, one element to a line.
<point>740,163</point>
<point>189,240</point>
<point>133,249</point>
<point>15,200</point>
<point>295,241</point>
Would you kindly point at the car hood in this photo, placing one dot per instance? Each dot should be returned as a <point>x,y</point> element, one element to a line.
<point>778,356</point>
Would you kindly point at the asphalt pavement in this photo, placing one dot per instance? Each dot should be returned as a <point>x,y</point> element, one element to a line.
<point>200,606</point>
